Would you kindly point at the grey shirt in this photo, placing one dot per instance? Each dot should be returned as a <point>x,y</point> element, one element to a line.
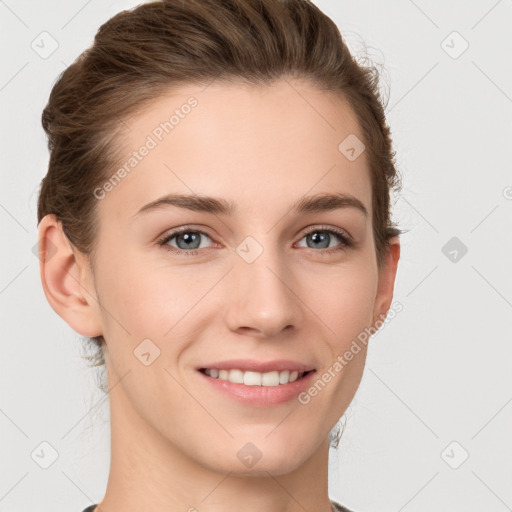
<point>337,507</point>
<point>340,508</point>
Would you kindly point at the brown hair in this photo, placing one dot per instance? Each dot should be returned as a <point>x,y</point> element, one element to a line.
<point>145,51</point>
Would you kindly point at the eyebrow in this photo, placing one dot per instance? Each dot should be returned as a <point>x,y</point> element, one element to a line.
<point>219,206</point>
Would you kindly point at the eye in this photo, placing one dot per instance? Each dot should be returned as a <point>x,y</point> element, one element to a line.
<point>188,241</point>
<point>324,235</point>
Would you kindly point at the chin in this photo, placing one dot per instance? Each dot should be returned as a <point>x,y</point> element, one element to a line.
<point>258,459</point>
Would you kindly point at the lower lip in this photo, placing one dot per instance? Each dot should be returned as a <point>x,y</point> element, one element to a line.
<point>260,396</point>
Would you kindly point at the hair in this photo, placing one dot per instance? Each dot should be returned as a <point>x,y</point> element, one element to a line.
<point>146,51</point>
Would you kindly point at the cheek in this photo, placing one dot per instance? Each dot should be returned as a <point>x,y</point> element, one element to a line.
<point>144,320</point>
<point>344,300</point>
<point>146,300</point>
<point>346,309</point>
<point>143,300</point>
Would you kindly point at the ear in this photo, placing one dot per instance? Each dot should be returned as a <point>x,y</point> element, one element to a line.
<point>387,276</point>
<point>67,279</point>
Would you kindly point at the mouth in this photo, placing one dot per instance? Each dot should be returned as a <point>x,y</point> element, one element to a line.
<point>255,389</point>
<point>253,378</point>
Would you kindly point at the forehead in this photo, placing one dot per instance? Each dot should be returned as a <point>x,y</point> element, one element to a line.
<point>254,145</point>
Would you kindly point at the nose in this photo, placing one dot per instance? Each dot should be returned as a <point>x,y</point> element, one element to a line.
<point>263,299</point>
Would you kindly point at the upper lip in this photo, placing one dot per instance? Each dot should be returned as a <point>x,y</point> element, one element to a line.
<point>259,366</point>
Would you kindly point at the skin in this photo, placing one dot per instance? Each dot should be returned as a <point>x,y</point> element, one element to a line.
<point>175,440</point>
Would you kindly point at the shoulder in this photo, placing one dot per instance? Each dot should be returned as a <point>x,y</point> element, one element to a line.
<point>337,507</point>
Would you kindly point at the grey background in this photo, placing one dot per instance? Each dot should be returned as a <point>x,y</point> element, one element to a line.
<point>437,385</point>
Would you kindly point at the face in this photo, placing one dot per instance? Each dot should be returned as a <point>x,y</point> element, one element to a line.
<point>265,281</point>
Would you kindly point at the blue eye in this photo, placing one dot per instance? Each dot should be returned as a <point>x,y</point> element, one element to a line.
<point>326,235</point>
<point>186,236</point>
<point>188,240</point>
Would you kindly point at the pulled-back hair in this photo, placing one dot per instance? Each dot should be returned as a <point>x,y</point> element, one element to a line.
<point>144,52</point>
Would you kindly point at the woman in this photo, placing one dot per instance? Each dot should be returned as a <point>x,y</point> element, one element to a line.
<point>217,202</point>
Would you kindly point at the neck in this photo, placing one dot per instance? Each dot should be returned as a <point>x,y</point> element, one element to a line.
<point>148,472</point>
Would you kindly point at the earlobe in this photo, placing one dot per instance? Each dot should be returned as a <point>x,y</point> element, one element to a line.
<point>66,281</point>
<point>387,280</point>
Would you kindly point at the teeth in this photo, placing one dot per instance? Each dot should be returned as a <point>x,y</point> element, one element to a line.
<point>255,378</point>
<point>250,378</point>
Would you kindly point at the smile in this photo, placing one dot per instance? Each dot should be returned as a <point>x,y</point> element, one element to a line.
<point>251,378</point>
<point>255,389</point>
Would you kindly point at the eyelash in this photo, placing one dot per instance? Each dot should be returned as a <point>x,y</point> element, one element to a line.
<point>346,241</point>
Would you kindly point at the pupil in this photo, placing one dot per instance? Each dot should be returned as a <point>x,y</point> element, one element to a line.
<point>189,238</point>
<point>315,236</point>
